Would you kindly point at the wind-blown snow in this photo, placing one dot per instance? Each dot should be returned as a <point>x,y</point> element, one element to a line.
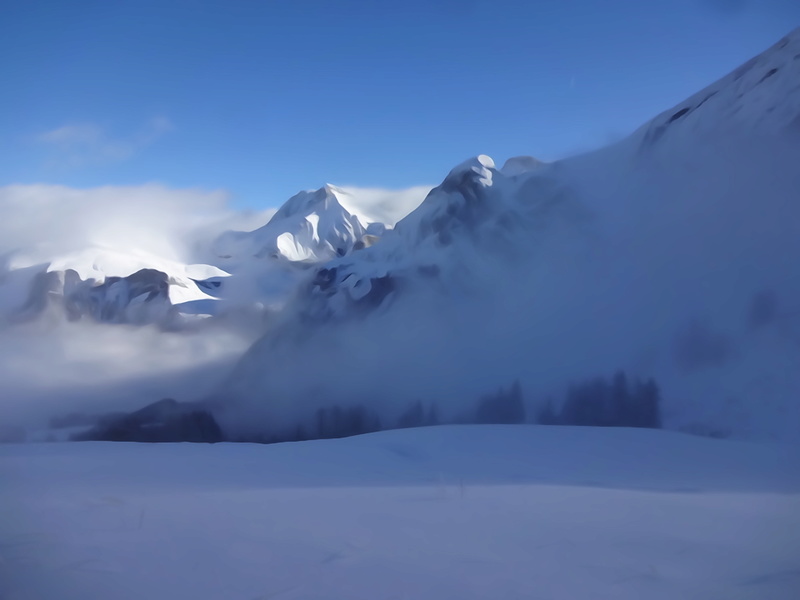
<point>652,255</point>
<point>439,513</point>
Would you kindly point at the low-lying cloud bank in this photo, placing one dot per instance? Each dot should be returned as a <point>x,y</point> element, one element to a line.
<point>51,366</point>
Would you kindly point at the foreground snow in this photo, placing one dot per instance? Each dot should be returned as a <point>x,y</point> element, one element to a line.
<point>445,512</point>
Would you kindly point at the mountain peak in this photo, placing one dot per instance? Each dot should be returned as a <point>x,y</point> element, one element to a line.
<point>478,168</point>
<point>306,202</point>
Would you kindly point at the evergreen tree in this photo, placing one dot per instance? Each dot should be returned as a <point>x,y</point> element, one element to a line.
<point>432,415</point>
<point>502,407</point>
<point>414,416</point>
<point>547,414</point>
<point>600,403</point>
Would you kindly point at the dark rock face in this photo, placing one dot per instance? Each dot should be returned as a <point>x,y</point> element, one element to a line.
<point>325,278</point>
<point>380,287</point>
<point>45,286</point>
<point>108,301</point>
<point>162,421</point>
<point>142,297</point>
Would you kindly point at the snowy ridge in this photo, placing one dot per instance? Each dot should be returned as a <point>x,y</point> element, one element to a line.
<point>523,269</point>
<point>517,165</point>
<point>762,95</point>
<point>458,201</point>
<point>112,286</point>
<point>475,216</point>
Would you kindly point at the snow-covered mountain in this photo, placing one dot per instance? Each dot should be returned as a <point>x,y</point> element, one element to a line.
<point>316,226</point>
<point>119,284</point>
<point>311,226</point>
<point>107,285</point>
<point>479,204</point>
<point>669,254</point>
<point>268,263</point>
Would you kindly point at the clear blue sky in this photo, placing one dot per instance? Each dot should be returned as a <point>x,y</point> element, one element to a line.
<point>267,98</point>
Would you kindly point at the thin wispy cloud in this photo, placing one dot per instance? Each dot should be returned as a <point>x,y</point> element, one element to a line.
<point>83,144</point>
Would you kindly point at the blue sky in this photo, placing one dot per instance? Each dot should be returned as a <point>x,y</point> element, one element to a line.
<point>266,98</point>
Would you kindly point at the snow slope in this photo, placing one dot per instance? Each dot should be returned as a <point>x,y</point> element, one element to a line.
<point>439,513</point>
<point>670,254</point>
<point>760,99</point>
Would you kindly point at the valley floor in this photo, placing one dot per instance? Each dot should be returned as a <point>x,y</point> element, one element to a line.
<point>458,512</point>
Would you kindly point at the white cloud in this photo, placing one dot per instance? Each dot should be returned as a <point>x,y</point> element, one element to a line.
<point>46,220</point>
<point>49,366</point>
<point>81,144</point>
<point>73,134</point>
<point>382,205</point>
<point>52,367</point>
